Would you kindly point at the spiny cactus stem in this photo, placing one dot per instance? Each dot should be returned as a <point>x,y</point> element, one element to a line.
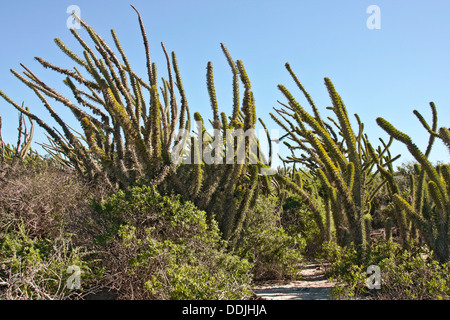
<point>147,47</point>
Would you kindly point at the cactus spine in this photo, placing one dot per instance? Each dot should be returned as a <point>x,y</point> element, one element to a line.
<point>429,209</point>
<point>131,127</point>
<point>344,167</point>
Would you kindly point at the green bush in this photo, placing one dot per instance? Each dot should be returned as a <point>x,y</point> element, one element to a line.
<point>46,199</point>
<point>414,275</point>
<point>275,253</point>
<point>43,210</point>
<point>297,219</point>
<point>161,247</point>
<point>32,268</point>
<point>405,274</point>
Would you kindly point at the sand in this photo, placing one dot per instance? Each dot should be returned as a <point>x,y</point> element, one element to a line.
<point>312,286</point>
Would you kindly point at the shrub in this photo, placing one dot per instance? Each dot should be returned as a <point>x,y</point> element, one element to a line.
<point>43,215</point>
<point>274,252</point>
<point>414,275</point>
<point>32,268</point>
<point>161,247</point>
<point>45,199</point>
<point>296,218</point>
<point>405,274</point>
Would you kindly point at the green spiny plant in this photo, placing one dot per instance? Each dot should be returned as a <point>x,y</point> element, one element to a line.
<point>429,208</point>
<point>226,191</point>
<point>125,138</point>
<point>340,160</point>
<point>132,128</point>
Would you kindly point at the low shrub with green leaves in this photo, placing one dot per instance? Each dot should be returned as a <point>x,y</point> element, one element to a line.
<point>161,247</point>
<point>405,274</point>
<point>274,252</point>
<point>42,213</point>
<point>296,218</point>
<point>33,268</point>
<point>415,275</point>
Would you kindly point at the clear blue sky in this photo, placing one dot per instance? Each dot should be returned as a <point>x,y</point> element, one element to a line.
<point>386,72</point>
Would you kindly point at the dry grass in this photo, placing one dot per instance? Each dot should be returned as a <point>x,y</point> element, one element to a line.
<point>45,200</point>
<point>44,224</point>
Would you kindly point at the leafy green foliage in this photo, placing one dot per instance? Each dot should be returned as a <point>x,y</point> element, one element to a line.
<point>41,207</point>
<point>414,274</point>
<point>167,250</point>
<point>405,274</point>
<point>33,268</point>
<point>274,252</point>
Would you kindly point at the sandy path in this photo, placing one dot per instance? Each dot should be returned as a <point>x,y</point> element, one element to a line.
<point>312,286</point>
